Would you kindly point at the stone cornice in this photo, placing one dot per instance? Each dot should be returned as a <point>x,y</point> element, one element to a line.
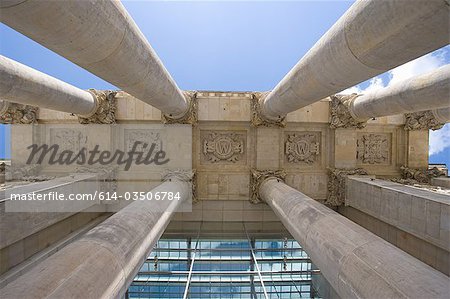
<point>258,177</point>
<point>336,185</point>
<point>422,120</point>
<point>341,115</point>
<point>14,113</point>
<point>257,117</point>
<point>190,117</point>
<point>105,110</point>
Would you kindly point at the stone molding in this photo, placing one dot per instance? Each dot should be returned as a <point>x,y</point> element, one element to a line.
<point>105,108</point>
<point>337,183</point>
<point>189,176</point>
<point>411,176</point>
<point>223,146</point>
<point>257,177</point>
<point>15,113</point>
<point>422,120</point>
<point>302,147</point>
<point>191,115</point>
<point>341,115</point>
<point>258,119</point>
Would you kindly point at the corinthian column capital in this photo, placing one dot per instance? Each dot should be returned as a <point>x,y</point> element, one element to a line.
<point>341,112</point>
<point>105,108</point>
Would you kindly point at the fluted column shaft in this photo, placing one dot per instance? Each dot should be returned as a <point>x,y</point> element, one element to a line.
<point>22,84</point>
<point>370,38</point>
<point>101,37</point>
<point>424,92</point>
<point>103,262</point>
<point>357,263</point>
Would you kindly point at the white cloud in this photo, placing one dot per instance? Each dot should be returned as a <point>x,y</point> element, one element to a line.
<point>439,140</point>
<point>410,69</point>
<point>417,67</point>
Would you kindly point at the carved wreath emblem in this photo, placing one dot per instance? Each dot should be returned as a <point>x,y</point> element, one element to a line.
<point>302,148</point>
<point>223,147</point>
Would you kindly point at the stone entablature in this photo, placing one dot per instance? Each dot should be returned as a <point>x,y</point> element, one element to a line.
<point>412,176</point>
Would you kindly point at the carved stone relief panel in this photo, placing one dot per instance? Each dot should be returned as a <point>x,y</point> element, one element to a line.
<point>223,147</point>
<point>145,137</point>
<point>302,147</point>
<point>72,140</point>
<point>373,148</point>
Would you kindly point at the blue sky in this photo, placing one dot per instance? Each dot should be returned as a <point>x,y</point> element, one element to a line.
<point>217,45</point>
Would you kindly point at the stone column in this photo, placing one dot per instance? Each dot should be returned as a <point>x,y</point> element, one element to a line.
<point>103,262</point>
<point>22,84</point>
<point>357,263</point>
<point>372,37</point>
<point>428,91</point>
<point>101,37</point>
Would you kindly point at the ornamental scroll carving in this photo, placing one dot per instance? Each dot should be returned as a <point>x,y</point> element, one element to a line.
<point>223,146</point>
<point>411,176</point>
<point>302,147</point>
<point>373,148</point>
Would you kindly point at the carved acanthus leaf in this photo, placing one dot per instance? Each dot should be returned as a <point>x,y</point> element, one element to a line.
<point>341,116</point>
<point>336,185</point>
<point>258,119</point>
<point>190,117</point>
<point>258,177</point>
<point>105,110</point>
<point>422,120</point>
<point>14,113</point>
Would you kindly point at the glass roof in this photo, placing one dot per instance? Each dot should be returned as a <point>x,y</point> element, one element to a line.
<point>248,267</point>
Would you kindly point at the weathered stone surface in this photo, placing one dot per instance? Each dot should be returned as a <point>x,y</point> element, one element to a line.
<point>423,120</point>
<point>258,177</point>
<point>352,51</point>
<point>341,115</point>
<point>24,85</point>
<point>105,108</point>
<point>357,263</point>
<point>258,118</point>
<point>191,115</point>
<point>412,176</point>
<point>373,148</point>
<point>223,146</point>
<point>337,185</point>
<point>14,113</point>
<point>302,147</point>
